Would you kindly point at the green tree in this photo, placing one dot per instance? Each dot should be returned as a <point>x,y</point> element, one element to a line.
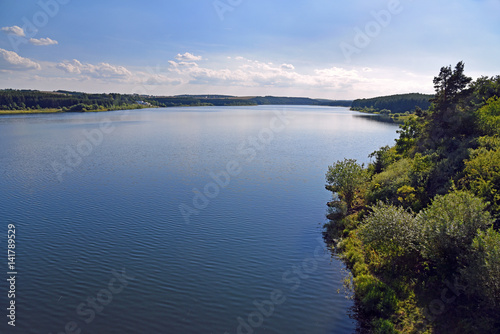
<point>449,84</point>
<point>482,173</point>
<point>346,179</point>
<point>383,158</point>
<point>409,132</point>
<point>489,117</point>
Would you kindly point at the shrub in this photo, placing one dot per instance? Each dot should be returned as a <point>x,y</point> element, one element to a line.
<point>483,274</point>
<point>449,225</point>
<point>383,326</point>
<point>393,232</point>
<point>385,185</point>
<point>376,297</point>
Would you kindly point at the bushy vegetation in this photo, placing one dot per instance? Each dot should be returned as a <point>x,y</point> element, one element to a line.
<point>419,226</point>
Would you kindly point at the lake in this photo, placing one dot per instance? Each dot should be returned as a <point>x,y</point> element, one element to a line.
<point>178,220</point>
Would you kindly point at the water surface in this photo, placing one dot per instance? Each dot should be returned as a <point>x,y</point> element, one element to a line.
<point>96,195</point>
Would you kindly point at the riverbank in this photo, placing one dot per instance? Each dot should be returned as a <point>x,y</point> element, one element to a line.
<point>397,118</point>
<point>61,110</point>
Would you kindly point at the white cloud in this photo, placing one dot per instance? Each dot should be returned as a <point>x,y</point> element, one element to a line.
<point>10,60</point>
<point>245,75</point>
<point>188,57</point>
<point>254,73</point>
<point>287,67</point>
<point>100,71</point>
<point>42,41</point>
<point>14,30</point>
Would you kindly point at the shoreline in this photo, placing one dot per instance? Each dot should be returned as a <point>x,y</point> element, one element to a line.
<point>57,111</point>
<point>60,111</point>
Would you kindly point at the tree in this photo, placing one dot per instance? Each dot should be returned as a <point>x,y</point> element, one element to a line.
<point>482,173</point>
<point>449,84</point>
<point>346,179</point>
<point>489,117</point>
<point>409,132</point>
<point>383,158</point>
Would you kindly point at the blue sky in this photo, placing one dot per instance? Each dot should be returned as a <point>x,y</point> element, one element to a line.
<point>316,48</point>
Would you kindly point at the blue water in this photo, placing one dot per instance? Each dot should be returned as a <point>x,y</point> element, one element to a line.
<point>122,228</point>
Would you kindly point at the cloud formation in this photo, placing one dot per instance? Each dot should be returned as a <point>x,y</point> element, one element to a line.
<point>238,75</point>
<point>11,61</point>
<point>287,67</point>
<point>100,71</point>
<point>14,30</point>
<point>42,41</point>
<point>253,73</point>
<point>188,57</point>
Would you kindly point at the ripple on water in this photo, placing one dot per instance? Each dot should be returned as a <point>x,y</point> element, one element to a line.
<point>118,209</point>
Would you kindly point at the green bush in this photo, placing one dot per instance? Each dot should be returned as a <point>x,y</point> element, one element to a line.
<point>383,326</point>
<point>376,297</point>
<point>483,273</point>
<point>384,186</point>
<point>449,225</point>
<point>393,232</point>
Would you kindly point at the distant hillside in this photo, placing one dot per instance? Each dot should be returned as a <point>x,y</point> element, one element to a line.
<point>300,101</point>
<point>12,100</point>
<point>393,104</point>
<point>224,100</point>
<point>25,100</point>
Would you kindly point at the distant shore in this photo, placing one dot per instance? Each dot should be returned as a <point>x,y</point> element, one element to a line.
<point>60,110</point>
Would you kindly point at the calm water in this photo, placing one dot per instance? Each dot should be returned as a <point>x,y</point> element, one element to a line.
<point>244,256</point>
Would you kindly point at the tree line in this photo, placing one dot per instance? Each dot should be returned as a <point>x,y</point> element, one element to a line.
<point>393,104</point>
<point>11,99</point>
<point>72,101</point>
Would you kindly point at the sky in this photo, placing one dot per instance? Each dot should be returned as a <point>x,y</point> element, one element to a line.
<point>317,48</point>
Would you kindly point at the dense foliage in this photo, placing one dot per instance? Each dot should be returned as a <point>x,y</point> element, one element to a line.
<point>74,101</point>
<point>421,232</point>
<point>400,103</point>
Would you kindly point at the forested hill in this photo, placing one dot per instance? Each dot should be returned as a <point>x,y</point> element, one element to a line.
<point>394,103</point>
<point>33,100</point>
